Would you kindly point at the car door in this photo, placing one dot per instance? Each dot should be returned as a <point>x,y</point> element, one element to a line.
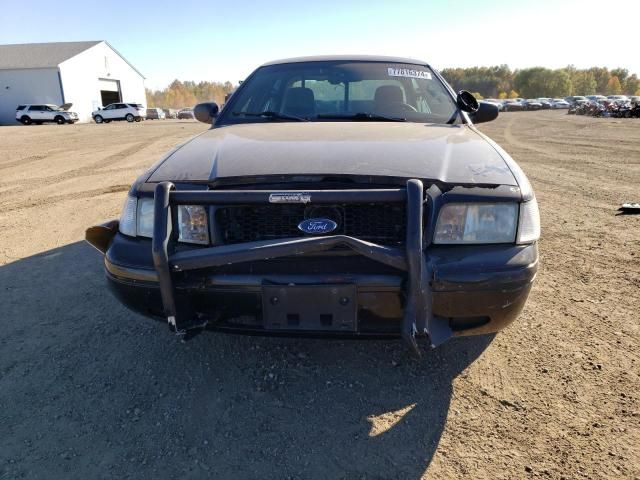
<point>47,113</point>
<point>108,112</point>
<point>36,112</point>
<point>121,110</point>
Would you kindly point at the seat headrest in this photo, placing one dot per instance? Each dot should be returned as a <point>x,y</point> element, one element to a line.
<point>388,94</point>
<point>299,101</point>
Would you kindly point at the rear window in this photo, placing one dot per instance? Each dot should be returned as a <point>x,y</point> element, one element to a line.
<point>135,105</point>
<point>21,107</point>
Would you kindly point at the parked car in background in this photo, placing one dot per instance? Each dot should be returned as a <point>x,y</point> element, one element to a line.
<point>559,103</point>
<point>186,114</point>
<point>170,113</point>
<point>634,98</point>
<point>155,114</point>
<point>576,99</point>
<point>618,98</point>
<point>494,101</point>
<point>119,111</point>
<point>45,113</point>
<point>512,105</point>
<point>270,222</point>
<point>532,104</point>
<point>545,102</point>
<point>596,98</point>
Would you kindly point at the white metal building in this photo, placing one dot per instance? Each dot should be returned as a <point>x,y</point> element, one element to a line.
<point>86,74</point>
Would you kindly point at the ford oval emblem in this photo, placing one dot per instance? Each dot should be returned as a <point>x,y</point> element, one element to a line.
<point>317,226</point>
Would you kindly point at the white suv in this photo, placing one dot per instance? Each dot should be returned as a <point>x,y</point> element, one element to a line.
<point>39,114</point>
<point>120,111</point>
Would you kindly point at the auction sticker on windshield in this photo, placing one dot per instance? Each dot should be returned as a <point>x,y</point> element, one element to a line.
<point>408,73</point>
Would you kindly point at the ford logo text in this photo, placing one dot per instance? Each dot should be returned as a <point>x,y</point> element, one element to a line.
<point>317,226</point>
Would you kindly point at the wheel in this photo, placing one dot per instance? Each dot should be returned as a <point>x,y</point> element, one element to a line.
<point>129,118</point>
<point>59,119</point>
<point>25,120</point>
<point>98,119</point>
<point>139,119</point>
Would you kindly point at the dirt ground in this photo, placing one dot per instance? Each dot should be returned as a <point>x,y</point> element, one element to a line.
<point>89,390</point>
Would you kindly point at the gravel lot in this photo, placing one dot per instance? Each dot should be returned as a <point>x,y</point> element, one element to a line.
<point>89,390</point>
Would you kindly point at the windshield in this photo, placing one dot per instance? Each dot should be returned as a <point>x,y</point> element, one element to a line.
<point>340,91</point>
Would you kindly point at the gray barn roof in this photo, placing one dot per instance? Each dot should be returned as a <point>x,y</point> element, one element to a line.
<point>40,55</point>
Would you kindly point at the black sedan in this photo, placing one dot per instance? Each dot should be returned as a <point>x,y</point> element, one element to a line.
<point>332,196</point>
<point>532,104</point>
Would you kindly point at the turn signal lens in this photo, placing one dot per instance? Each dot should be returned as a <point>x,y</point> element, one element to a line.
<point>192,224</point>
<point>127,224</point>
<point>529,228</point>
<point>145,217</point>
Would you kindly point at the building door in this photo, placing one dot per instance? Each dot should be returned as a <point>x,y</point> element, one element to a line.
<point>109,91</point>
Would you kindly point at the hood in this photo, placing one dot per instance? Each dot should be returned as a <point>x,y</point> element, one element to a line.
<point>448,153</point>
<point>66,106</point>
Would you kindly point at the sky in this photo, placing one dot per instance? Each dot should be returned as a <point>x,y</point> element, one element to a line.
<point>219,41</point>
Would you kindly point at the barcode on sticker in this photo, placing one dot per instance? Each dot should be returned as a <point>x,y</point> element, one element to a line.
<point>409,73</point>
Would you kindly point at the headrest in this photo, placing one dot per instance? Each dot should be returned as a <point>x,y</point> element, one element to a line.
<point>388,94</point>
<point>299,101</point>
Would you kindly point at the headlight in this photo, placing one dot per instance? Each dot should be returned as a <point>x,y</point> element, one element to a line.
<point>128,217</point>
<point>529,226</point>
<point>469,223</point>
<point>137,220</point>
<point>192,224</point>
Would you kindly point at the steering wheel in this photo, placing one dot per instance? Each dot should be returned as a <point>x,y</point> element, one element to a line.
<point>405,107</point>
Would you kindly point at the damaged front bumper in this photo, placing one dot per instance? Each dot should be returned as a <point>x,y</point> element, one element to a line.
<point>435,289</point>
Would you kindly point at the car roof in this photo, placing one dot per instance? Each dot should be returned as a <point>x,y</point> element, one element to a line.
<point>353,58</point>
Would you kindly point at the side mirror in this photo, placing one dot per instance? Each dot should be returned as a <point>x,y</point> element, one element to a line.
<point>485,113</point>
<point>206,112</point>
<point>467,102</point>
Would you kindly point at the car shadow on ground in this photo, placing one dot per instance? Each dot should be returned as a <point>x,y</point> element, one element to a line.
<point>91,390</point>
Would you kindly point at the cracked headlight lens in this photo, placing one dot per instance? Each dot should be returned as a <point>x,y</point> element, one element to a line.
<point>192,224</point>
<point>474,223</point>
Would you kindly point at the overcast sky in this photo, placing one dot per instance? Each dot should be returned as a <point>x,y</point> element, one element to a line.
<point>213,40</point>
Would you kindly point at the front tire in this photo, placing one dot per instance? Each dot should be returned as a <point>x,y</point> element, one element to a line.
<point>59,120</point>
<point>25,120</point>
<point>98,119</point>
<point>138,119</point>
<point>129,118</point>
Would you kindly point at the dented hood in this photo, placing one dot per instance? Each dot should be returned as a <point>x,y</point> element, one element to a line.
<point>448,153</point>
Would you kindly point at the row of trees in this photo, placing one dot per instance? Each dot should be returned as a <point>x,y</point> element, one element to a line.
<point>502,82</point>
<point>488,82</point>
<point>186,94</point>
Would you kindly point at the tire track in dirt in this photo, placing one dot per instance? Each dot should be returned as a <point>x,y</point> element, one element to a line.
<point>571,172</point>
<point>22,162</point>
<point>92,169</point>
<point>55,199</point>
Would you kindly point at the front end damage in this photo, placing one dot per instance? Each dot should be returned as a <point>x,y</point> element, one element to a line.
<point>434,286</point>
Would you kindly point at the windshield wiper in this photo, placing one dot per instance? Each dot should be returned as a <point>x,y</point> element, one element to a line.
<point>364,116</point>
<point>273,115</point>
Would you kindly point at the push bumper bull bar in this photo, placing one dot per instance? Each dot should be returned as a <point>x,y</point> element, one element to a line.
<point>418,319</point>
